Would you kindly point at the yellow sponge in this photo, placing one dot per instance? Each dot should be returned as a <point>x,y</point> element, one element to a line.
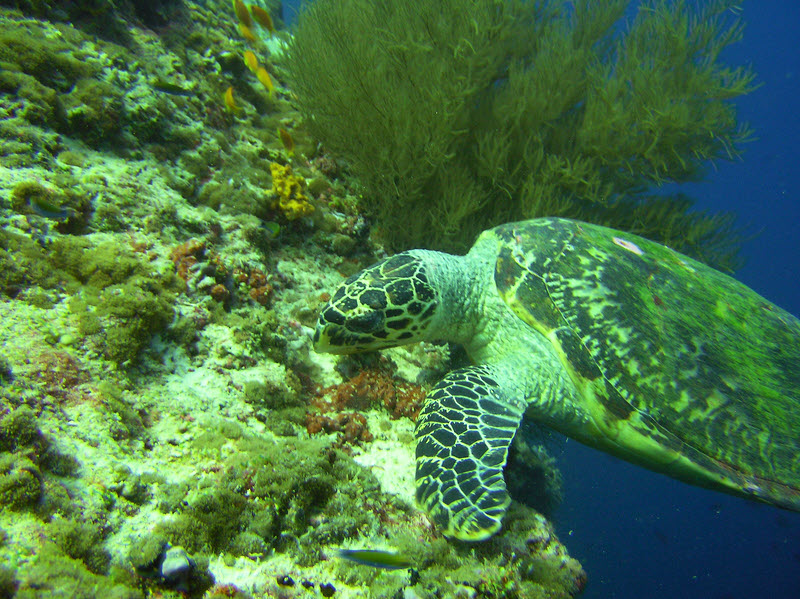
<point>287,192</point>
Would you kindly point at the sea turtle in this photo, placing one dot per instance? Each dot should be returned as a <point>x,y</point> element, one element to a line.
<point>612,339</point>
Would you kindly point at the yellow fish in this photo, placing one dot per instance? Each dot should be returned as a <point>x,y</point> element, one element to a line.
<point>286,140</point>
<point>250,60</point>
<point>247,33</point>
<point>242,14</point>
<point>266,80</point>
<point>263,18</point>
<point>229,101</point>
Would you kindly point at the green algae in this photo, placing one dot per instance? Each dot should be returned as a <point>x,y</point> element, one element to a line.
<point>126,420</point>
<point>135,314</point>
<point>509,566</point>
<point>123,298</point>
<point>21,485</point>
<point>6,372</point>
<point>211,521</point>
<point>141,555</point>
<point>71,158</point>
<point>266,396</point>
<point>94,113</point>
<point>266,495</point>
<point>19,429</point>
<point>82,541</point>
<point>20,482</point>
<point>52,573</point>
<point>146,558</point>
<point>24,263</point>
<point>51,60</point>
<point>129,485</point>
<point>19,432</point>
<point>170,496</point>
<point>27,461</point>
<point>65,80</point>
<point>98,266</point>
<point>42,105</point>
<point>8,582</point>
<point>54,73</point>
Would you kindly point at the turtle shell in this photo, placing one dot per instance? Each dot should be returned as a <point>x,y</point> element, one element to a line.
<point>682,368</point>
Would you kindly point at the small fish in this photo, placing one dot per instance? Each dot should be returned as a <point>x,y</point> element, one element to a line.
<point>250,60</point>
<point>168,87</point>
<point>247,33</point>
<point>263,18</point>
<point>266,80</point>
<point>272,229</point>
<point>242,13</point>
<point>229,101</point>
<point>376,558</point>
<point>286,140</point>
<point>47,209</point>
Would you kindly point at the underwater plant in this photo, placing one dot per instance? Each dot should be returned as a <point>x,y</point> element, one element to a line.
<point>459,115</point>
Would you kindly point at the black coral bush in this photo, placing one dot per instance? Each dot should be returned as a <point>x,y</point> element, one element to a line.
<point>458,115</point>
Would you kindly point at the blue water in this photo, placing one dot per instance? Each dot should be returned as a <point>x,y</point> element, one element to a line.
<point>289,9</point>
<point>644,536</point>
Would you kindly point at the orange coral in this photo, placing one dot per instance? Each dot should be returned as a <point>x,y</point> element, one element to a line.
<point>351,426</point>
<point>219,293</point>
<point>288,192</point>
<point>332,410</point>
<point>372,385</point>
<point>258,288</point>
<point>186,255</point>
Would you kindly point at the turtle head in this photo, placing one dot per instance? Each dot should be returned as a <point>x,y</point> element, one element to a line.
<point>388,304</point>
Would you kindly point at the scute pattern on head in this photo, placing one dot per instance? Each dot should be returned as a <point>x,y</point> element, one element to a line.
<point>689,357</point>
<point>382,306</point>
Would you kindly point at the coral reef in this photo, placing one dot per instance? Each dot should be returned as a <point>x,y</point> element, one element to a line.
<point>508,111</point>
<point>165,429</point>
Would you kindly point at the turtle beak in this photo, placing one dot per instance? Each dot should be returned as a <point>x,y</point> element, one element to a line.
<point>335,339</point>
<point>322,340</point>
<point>328,340</point>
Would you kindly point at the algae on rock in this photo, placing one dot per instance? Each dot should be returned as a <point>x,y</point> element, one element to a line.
<point>510,110</point>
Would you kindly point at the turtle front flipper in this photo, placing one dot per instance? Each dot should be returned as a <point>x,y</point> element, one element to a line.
<point>463,435</point>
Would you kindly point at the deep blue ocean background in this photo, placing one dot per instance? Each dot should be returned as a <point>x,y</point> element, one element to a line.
<point>641,535</point>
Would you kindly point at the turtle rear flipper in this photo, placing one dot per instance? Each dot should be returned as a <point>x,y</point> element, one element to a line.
<point>463,435</point>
